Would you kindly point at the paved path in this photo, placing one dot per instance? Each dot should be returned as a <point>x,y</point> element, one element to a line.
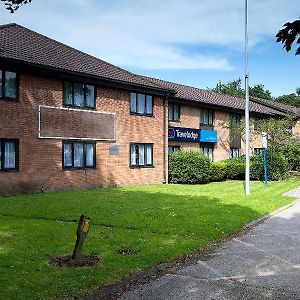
<point>262,264</point>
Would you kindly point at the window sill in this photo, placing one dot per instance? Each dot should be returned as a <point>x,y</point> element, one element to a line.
<point>141,167</point>
<point>79,107</point>
<point>9,99</point>
<point>78,169</point>
<point>142,115</point>
<point>9,170</point>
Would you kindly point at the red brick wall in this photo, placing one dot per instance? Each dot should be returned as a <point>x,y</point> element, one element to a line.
<point>41,160</point>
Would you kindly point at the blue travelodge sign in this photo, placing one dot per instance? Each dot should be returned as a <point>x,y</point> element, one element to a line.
<point>183,134</point>
<point>208,136</point>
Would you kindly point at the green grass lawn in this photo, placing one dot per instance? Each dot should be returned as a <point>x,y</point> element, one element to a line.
<point>159,223</point>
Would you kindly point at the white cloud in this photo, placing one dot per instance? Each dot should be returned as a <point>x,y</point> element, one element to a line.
<point>156,34</point>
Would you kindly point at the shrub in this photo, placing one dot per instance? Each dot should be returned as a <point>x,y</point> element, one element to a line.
<point>235,168</point>
<point>292,154</point>
<point>218,171</point>
<point>189,167</point>
<point>278,166</point>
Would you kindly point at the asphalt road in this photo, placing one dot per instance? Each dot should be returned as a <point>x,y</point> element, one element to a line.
<point>262,264</point>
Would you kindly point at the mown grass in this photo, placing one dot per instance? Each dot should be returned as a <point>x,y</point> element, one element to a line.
<point>158,223</point>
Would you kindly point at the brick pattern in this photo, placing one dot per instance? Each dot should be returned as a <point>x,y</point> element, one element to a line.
<point>40,163</point>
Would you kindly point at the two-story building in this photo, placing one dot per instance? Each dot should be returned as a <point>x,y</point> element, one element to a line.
<point>68,119</point>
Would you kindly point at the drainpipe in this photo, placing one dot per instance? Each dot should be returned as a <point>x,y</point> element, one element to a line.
<point>165,168</point>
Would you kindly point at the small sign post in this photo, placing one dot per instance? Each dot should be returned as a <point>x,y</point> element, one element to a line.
<point>265,147</point>
<point>82,232</point>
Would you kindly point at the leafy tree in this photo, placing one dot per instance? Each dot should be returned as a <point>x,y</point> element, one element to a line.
<point>291,99</point>
<point>13,5</point>
<point>234,88</point>
<point>290,34</point>
<point>259,91</point>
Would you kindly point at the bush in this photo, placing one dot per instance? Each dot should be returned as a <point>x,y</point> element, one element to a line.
<point>235,168</point>
<point>292,154</point>
<point>278,166</point>
<point>218,171</point>
<point>189,167</point>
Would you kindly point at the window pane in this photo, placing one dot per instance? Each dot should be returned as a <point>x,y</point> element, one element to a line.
<point>10,84</point>
<point>9,155</point>
<point>141,149</point>
<point>133,155</point>
<point>67,155</point>
<point>176,112</point>
<point>0,84</point>
<point>132,102</point>
<point>170,150</point>
<point>149,154</point>
<point>170,109</point>
<point>78,94</point>
<point>210,117</point>
<point>149,104</point>
<point>78,155</point>
<point>90,95</point>
<point>141,104</point>
<point>0,155</point>
<point>68,93</point>
<point>89,155</point>
<point>204,117</point>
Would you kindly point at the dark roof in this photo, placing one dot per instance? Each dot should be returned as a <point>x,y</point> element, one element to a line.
<point>287,109</point>
<point>202,96</point>
<point>18,43</point>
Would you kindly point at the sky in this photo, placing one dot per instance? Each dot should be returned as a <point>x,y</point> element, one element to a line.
<point>192,42</point>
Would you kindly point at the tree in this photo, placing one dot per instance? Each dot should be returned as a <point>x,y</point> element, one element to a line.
<point>290,99</point>
<point>259,91</point>
<point>289,34</point>
<point>13,5</point>
<point>234,88</point>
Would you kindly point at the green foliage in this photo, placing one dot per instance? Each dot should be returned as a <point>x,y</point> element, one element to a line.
<point>278,166</point>
<point>234,88</point>
<point>235,168</point>
<point>288,35</point>
<point>292,153</point>
<point>259,91</point>
<point>218,171</point>
<point>291,99</point>
<point>13,5</point>
<point>189,167</point>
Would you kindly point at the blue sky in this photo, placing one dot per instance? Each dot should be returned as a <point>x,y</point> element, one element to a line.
<point>194,42</point>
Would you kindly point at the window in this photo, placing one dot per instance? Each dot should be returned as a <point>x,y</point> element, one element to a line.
<point>174,112</point>
<point>8,85</point>
<point>172,149</point>
<point>79,155</point>
<point>289,129</point>
<point>258,151</point>
<point>79,94</point>
<point>256,124</point>
<point>9,155</point>
<point>141,155</point>
<point>235,119</point>
<point>208,151</point>
<point>206,117</point>
<point>234,152</point>
<point>141,104</point>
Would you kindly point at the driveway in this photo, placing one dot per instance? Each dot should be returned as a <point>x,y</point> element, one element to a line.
<point>262,264</point>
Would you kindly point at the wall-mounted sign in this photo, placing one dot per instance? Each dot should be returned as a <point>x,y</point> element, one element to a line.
<point>208,136</point>
<point>113,149</point>
<point>184,134</point>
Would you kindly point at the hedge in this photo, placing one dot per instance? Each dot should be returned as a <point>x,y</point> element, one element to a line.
<point>218,171</point>
<point>189,167</point>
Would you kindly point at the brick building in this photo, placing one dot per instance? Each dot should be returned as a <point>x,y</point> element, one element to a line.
<point>68,119</point>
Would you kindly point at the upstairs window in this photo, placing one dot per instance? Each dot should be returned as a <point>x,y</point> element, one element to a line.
<point>141,104</point>
<point>235,119</point>
<point>9,155</point>
<point>141,155</point>
<point>207,117</point>
<point>79,95</point>
<point>174,112</point>
<point>79,155</point>
<point>8,85</point>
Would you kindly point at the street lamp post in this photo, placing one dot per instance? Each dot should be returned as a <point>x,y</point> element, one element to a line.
<point>247,121</point>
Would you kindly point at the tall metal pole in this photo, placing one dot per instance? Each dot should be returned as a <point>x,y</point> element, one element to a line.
<point>247,129</point>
